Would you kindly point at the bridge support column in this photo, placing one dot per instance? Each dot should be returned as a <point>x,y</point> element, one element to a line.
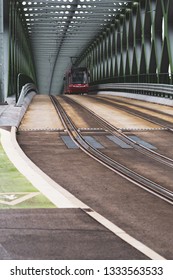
<point>4,48</point>
<point>1,51</point>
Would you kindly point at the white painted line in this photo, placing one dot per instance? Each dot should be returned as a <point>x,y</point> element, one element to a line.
<point>15,201</point>
<point>4,254</point>
<point>126,237</point>
<point>24,198</point>
<point>59,196</point>
<point>38,178</point>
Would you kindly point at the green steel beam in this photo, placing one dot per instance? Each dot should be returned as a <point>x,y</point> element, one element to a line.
<point>136,48</point>
<point>16,50</point>
<point>124,41</point>
<point>1,52</point>
<point>74,23</point>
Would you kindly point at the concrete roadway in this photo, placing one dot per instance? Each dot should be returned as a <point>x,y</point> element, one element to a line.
<point>67,231</point>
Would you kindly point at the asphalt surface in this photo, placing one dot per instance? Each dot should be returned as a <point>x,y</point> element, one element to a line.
<point>58,234</point>
<point>144,216</point>
<point>53,233</point>
<point>71,233</point>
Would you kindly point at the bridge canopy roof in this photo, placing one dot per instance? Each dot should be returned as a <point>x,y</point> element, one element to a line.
<point>62,29</point>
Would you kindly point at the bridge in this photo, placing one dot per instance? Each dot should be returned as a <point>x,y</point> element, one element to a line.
<point>88,175</point>
<point>119,41</point>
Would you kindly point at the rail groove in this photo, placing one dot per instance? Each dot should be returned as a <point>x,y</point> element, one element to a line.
<point>121,135</point>
<point>107,161</point>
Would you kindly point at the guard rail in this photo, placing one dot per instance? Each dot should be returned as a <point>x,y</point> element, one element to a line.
<point>160,90</point>
<point>26,89</point>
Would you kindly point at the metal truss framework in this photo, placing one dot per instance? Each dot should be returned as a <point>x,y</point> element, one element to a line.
<point>16,50</point>
<point>61,29</point>
<point>21,57</point>
<point>137,47</point>
<point>121,41</point>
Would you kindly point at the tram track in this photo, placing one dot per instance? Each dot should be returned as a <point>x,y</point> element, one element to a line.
<point>113,165</point>
<point>165,125</point>
<point>124,106</point>
<point>122,136</point>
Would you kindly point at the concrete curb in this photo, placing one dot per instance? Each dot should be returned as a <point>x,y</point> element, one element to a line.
<point>53,191</point>
<point>12,115</point>
<point>57,194</point>
<point>25,106</point>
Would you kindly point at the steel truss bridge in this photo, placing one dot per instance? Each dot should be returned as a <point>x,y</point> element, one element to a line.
<point>119,41</point>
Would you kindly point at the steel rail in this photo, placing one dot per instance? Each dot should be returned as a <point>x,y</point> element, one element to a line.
<point>107,161</point>
<point>137,146</point>
<point>125,104</point>
<point>112,102</point>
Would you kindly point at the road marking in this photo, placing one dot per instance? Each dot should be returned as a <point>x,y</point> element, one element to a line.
<point>38,178</point>
<point>125,236</point>
<point>3,253</point>
<point>142,142</point>
<point>119,142</point>
<point>14,199</point>
<point>62,198</point>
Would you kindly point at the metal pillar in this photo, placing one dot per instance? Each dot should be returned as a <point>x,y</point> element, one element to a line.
<point>15,52</point>
<point>1,52</point>
<point>20,54</point>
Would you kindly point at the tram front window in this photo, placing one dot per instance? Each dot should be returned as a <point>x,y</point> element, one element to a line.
<point>79,78</point>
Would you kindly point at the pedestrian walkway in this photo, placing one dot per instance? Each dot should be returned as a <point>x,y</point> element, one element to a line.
<point>15,190</point>
<point>41,115</point>
<point>11,115</point>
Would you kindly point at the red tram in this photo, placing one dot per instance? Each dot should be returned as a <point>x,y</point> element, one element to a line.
<point>76,80</point>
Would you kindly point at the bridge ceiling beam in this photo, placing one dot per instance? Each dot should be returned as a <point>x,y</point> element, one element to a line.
<point>61,29</point>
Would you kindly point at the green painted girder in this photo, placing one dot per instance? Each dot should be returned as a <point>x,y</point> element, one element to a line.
<point>76,23</point>
<point>16,49</point>
<point>117,40</point>
<point>136,47</point>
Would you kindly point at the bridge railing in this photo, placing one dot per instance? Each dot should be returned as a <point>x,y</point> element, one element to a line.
<point>26,89</point>
<point>160,90</point>
<point>25,85</point>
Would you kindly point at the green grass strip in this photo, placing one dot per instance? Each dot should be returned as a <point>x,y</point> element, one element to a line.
<point>11,181</point>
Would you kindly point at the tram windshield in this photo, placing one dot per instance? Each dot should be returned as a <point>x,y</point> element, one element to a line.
<point>79,77</point>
